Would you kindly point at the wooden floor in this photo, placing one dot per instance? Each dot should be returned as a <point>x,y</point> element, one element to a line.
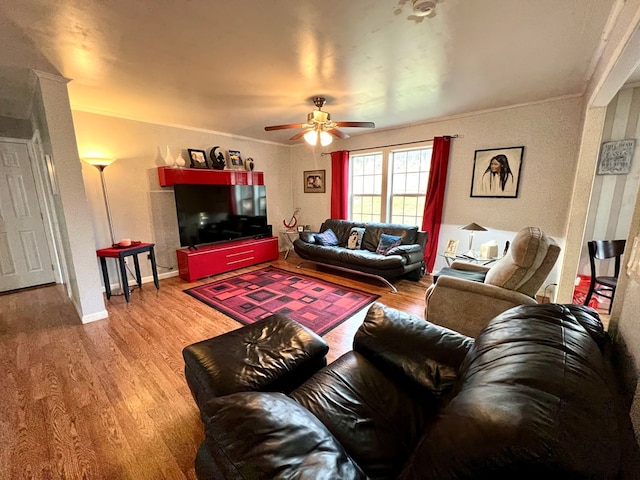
<point>108,400</point>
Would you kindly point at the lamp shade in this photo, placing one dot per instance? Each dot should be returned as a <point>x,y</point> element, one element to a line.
<point>312,137</point>
<point>474,227</point>
<point>99,162</point>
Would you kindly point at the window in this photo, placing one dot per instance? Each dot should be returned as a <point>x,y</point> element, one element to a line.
<point>389,186</point>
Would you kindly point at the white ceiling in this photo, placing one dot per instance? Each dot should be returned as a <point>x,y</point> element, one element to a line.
<point>238,65</point>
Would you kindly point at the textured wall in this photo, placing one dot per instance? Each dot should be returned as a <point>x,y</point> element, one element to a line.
<point>549,132</point>
<point>140,208</point>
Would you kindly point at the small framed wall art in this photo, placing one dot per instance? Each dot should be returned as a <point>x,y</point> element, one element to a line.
<point>496,172</point>
<point>198,158</point>
<point>615,157</point>
<point>314,181</point>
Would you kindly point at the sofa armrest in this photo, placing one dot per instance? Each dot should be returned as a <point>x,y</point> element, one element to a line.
<point>467,266</point>
<point>402,345</point>
<point>307,237</point>
<point>255,435</point>
<point>466,306</point>
<point>413,252</point>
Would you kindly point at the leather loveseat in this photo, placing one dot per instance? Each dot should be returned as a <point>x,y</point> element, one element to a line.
<point>406,259</point>
<point>528,398</point>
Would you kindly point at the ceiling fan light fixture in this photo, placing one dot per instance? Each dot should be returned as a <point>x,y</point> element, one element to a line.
<point>325,138</point>
<point>311,137</point>
<point>318,116</point>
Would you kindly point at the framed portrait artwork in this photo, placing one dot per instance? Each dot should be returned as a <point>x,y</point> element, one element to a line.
<point>198,158</point>
<point>314,181</point>
<point>496,172</point>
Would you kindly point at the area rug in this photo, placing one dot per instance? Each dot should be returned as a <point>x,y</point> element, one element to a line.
<point>316,304</point>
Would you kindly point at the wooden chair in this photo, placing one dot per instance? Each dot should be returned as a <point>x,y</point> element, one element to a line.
<point>602,285</point>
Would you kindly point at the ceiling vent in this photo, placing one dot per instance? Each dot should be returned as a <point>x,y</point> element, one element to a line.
<point>423,8</point>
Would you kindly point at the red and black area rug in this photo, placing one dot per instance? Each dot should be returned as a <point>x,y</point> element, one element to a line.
<point>316,304</point>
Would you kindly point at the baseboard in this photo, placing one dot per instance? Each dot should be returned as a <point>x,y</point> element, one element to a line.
<point>94,317</point>
<point>148,279</point>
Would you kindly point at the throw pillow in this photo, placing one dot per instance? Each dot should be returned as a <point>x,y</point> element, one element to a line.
<point>355,238</point>
<point>327,238</point>
<point>387,242</point>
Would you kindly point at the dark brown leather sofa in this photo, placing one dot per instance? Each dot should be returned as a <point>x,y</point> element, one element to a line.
<point>406,259</point>
<point>529,398</point>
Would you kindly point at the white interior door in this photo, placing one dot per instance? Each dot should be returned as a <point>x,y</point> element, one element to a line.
<point>25,260</point>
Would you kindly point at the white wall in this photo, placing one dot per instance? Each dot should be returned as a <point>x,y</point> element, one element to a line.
<point>549,132</point>
<point>56,126</point>
<point>140,208</point>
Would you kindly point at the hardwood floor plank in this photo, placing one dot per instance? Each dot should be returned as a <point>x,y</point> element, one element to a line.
<point>108,400</point>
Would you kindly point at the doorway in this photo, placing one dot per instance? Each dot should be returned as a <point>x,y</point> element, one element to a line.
<point>25,257</point>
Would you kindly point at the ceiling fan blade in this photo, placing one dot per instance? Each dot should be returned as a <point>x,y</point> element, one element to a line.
<point>356,124</point>
<point>283,127</point>
<point>337,133</point>
<point>299,135</point>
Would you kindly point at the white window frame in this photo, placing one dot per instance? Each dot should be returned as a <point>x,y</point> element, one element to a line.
<point>386,177</point>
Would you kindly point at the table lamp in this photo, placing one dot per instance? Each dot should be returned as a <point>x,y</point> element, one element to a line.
<point>472,228</point>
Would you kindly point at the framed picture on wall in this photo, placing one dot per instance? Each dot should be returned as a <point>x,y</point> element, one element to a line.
<point>615,157</point>
<point>314,181</point>
<point>496,172</point>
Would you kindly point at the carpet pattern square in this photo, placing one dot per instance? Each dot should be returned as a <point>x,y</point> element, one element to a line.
<point>316,304</point>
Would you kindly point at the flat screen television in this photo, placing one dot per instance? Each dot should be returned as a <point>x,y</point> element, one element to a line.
<point>219,213</point>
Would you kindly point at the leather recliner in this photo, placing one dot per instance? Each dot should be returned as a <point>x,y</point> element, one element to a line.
<point>527,399</point>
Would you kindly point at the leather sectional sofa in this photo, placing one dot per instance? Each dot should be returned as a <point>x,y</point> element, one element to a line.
<point>529,398</point>
<point>407,259</point>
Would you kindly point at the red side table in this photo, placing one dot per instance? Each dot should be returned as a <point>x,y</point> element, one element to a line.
<point>120,254</point>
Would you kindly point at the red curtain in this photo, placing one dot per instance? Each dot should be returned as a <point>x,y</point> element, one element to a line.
<point>435,198</point>
<point>339,184</point>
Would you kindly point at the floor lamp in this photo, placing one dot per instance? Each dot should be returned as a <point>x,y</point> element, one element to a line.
<point>472,228</point>
<point>101,164</point>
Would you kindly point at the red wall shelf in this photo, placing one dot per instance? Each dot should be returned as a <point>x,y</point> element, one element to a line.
<point>200,176</point>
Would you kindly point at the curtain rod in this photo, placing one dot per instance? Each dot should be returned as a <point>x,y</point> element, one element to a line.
<point>395,144</point>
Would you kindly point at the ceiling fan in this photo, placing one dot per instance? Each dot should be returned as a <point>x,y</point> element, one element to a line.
<point>319,126</point>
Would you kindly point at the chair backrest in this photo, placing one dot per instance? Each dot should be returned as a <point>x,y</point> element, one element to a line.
<point>603,249</point>
<point>527,263</point>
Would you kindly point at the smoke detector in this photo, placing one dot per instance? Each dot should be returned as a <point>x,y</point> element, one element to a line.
<point>423,8</point>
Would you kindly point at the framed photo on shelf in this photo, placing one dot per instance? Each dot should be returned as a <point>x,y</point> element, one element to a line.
<point>314,181</point>
<point>452,247</point>
<point>496,172</point>
<point>198,158</point>
<point>235,160</point>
